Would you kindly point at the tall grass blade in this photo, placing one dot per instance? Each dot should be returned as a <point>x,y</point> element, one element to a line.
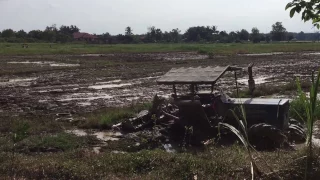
<point>243,136</point>
<point>310,105</point>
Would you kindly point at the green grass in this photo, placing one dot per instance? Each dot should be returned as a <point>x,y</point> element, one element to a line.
<point>222,49</point>
<point>214,163</point>
<point>107,117</point>
<point>48,142</point>
<point>297,110</point>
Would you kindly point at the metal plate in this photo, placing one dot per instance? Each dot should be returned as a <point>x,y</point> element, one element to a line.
<point>199,75</point>
<point>258,101</point>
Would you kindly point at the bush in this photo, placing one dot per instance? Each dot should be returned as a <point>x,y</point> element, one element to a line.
<point>297,109</point>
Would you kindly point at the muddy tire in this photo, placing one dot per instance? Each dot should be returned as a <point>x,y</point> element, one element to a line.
<point>296,133</point>
<point>266,137</point>
<point>295,122</point>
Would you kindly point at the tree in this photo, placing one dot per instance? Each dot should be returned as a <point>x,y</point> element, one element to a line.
<point>36,34</point>
<point>233,36</point>
<point>310,10</point>
<point>278,32</point>
<point>151,34</point>
<point>21,34</point>
<point>158,35</point>
<point>243,35</point>
<point>290,36</point>
<point>208,33</point>
<point>301,36</point>
<point>224,37</point>
<point>68,30</point>
<point>50,33</point>
<point>255,35</point>
<point>154,35</point>
<point>268,39</point>
<point>105,37</point>
<point>8,33</point>
<point>128,31</point>
<point>175,35</point>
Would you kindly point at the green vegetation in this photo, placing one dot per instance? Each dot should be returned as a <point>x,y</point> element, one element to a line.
<point>311,109</point>
<point>213,163</point>
<point>242,134</point>
<point>216,49</point>
<point>310,10</point>
<point>298,112</point>
<point>108,117</point>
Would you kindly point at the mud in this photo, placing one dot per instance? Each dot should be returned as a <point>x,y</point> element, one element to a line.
<point>54,84</point>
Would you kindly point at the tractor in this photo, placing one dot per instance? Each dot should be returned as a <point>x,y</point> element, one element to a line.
<point>202,108</point>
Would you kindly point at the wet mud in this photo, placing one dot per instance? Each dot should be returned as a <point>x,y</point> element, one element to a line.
<point>84,83</point>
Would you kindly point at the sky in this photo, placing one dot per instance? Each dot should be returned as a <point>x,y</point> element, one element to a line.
<point>113,16</point>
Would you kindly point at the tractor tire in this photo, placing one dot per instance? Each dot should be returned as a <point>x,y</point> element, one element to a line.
<point>296,134</point>
<point>296,122</point>
<point>266,137</point>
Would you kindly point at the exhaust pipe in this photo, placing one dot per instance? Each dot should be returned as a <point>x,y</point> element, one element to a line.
<point>251,81</point>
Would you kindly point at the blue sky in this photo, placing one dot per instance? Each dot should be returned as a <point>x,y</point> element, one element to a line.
<point>99,16</point>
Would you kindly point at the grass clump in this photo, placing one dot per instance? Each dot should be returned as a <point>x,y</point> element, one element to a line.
<point>155,164</point>
<point>298,112</point>
<point>311,108</point>
<point>54,143</point>
<point>214,163</point>
<point>108,117</point>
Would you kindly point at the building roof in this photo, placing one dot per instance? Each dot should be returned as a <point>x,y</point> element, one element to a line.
<point>199,75</point>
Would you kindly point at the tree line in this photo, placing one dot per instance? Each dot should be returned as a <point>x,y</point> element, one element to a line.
<point>202,34</point>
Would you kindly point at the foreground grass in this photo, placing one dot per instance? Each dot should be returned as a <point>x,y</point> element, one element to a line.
<point>213,163</point>
<point>47,152</point>
<point>222,49</point>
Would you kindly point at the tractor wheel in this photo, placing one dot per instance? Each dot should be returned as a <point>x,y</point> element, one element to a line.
<point>296,122</point>
<point>266,137</point>
<point>296,133</point>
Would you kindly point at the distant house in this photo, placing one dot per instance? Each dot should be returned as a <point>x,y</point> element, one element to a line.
<point>80,36</point>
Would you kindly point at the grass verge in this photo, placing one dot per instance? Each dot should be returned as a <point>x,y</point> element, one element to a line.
<point>214,163</point>
<point>216,48</point>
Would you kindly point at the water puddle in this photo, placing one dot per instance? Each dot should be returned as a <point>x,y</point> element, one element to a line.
<point>51,90</point>
<point>92,55</point>
<point>313,53</point>
<point>28,62</point>
<point>169,148</point>
<point>77,132</point>
<point>84,103</point>
<point>17,81</point>
<point>103,135</point>
<point>263,54</point>
<point>63,65</point>
<point>85,97</point>
<point>109,86</point>
<point>110,82</point>
<point>259,80</point>
<point>108,136</point>
<point>96,150</point>
<point>48,63</point>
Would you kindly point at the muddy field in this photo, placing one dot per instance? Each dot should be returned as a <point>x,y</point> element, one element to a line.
<point>59,84</point>
<point>63,106</point>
